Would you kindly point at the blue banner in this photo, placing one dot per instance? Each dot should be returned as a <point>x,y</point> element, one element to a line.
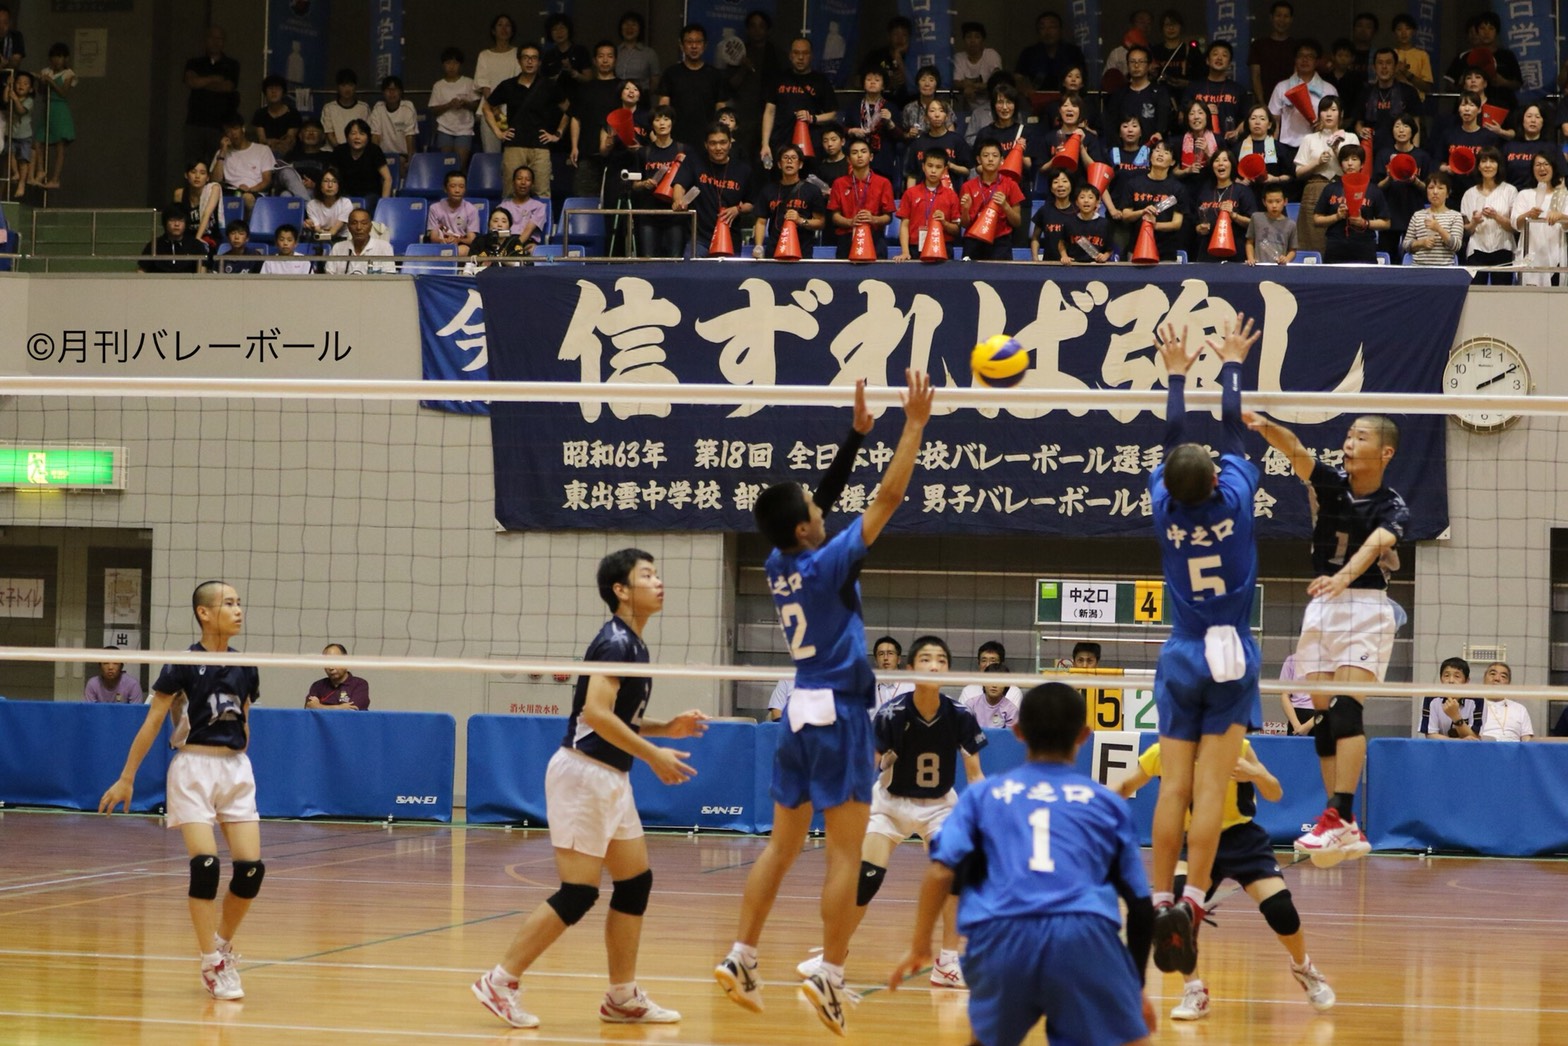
<point>932,41</point>
<point>655,466</point>
<point>1229,20</point>
<point>833,26</point>
<point>386,40</point>
<point>1428,15</point>
<point>1083,29</point>
<point>452,337</point>
<point>297,42</point>
<point>1529,32</point>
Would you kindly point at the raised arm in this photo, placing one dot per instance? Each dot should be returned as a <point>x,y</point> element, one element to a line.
<point>1178,359</point>
<point>599,716</point>
<point>831,485</point>
<point>895,481</point>
<point>1284,441</point>
<point>1236,340</point>
<point>1372,549</point>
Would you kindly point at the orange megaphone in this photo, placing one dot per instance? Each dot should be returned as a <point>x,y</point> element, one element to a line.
<point>1099,175</point>
<point>1301,98</point>
<point>1145,251</point>
<point>802,138</point>
<point>1013,163</point>
<point>1222,241</point>
<point>984,226</point>
<point>787,246</point>
<point>722,245</point>
<point>935,247</point>
<point>1355,191</point>
<point>1067,158</point>
<point>1402,167</point>
<point>1252,167</point>
<point>862,248</point>
<point>624,125</point>
<point>665,190</point>
<point>1461,159</point>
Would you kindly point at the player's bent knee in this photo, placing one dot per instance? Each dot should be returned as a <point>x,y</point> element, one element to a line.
<point>871,877</point>
<point>630,896</point>
<point>246,883</point>
<point>1323,736</point>
<point>1279,911</point>
<point>572,901</point>
<point>1346,717</point>
<point>204,877</point>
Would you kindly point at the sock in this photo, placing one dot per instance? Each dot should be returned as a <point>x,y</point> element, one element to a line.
<point>1163,897</point>
<point>948,957</point>
<point>218,943</point>
<point>621,994</point>
<point>1196,984</point>
<point>501,976</point>
<point>1305,965</point>
<point>210,959</point>
<point>1194,896</point>
<point>834,974</point>
<point>747,952</point>
<point>1345,803</point>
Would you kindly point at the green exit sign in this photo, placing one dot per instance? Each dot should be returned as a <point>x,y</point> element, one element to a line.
<point>62,468</point>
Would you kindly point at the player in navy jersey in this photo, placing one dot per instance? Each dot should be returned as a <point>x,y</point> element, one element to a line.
<point>1206,679</point>
<point>588,801</point>
<point>210,780</point>
<point>1347,633</point>
<point>1040,856</point>
<point>920,737</point>
<point>825,759</point>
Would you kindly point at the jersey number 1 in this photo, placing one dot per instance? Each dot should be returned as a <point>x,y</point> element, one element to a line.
<point>1040,857</point>
<point>793,618</point>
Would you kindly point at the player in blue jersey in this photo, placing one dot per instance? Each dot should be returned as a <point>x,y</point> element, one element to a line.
<point>1040,856</point>
<point>1206,679</point>
<point>826,760</point>
<point>1347,633</point>
<point>588,801</point>
<point>920,737</point>
<point>210,781</point>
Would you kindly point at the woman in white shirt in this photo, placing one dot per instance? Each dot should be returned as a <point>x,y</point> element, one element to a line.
<point>496,64</point>
<point>1317,164</point>
<point>1488,209</point>
<point>1540,214</point>
<point>326,216</point>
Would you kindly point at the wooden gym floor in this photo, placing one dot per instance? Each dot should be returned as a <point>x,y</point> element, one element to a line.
<point>365,933</point>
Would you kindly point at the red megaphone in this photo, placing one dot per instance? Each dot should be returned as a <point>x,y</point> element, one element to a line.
<point>1067,158</point>
<point>1355,191</point>
<point>984,227</point>
<point>802,138</point>
<point>722,245</point>
<point>862,248</point>
<point>1222,241</point>
<point>1402,167</point>
<point>1253,166</point>
<point>665,190</point>
<point>1461,159</point>
<point>1013,162</point>
<point>624,125</point>
<point>1145,251</point>
<point>1301,98</point>
<point>1099,175</point>
<point>935,247</point>
<point>787,247</point>
<point>1495,113</point>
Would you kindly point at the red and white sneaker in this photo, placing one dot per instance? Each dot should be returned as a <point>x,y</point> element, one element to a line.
<point>502,1000</point>
<point>1332,840</point>
<point>222,981</point>
<point>639,1009</point>
<point>1194,1005</point>
<point>947,975</point>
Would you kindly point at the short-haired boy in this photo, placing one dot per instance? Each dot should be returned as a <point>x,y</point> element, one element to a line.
<point>988,188</point>
<point>1271,235</point>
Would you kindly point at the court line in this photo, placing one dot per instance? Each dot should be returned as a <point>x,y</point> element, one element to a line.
<point>68,879</point>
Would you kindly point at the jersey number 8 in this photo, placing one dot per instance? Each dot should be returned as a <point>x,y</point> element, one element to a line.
<point>928,770</point>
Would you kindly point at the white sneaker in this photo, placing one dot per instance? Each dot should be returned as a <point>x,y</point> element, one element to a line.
<point>1332,840</point>
<point>503,1001</point>
<point>829,1000</point>
<point>639,1010</point>
<point>947,975</point>
<point>809,967</point>
<point>222,981</point>
<point>1319,994</point>
<point>740,982</point>
<point>1194,1005</point>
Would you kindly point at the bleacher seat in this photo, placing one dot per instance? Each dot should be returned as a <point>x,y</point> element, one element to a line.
<point>11,246</point>
<point>404,217</point>
<point>1293,211</point>
<point>233,209</point>
<point>549,251</point>
<point>1181,257</point>
<point>822,252</point>
<point>484,176</point>
<point>1383,258</point>
<point>892,231</point>
<point>356,201</point>
<point>1023,254</point>
<point>427,175</point>
<point>481,205</point>
<point>273,211</point>
<point>1307,258</point>
<point>583,230</point>
<point>1408,259</point>
<point>430,250</point>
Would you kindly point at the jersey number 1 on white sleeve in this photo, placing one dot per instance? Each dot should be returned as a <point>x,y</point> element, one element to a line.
<point>1040,858</point>
<point>793,618</point>
<point>1202,582</point>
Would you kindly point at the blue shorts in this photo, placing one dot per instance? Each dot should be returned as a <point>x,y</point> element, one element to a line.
<point>1071,969</point>
<point>1190,703</point>
<point>1245,856</point>
<point>827,766</point>
<point>444,141</point>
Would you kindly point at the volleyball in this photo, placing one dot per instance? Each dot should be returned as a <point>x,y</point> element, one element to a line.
<point>999,361</point>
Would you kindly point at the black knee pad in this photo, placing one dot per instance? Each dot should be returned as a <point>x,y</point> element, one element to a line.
<point>870,882</point>
<point>1323,734</point>
<point>1280,913</point>
<point>204,877</point>
<point>572,901</point>
<point>1346,717</point>
<point>630,896</point>
<point>247,879</point>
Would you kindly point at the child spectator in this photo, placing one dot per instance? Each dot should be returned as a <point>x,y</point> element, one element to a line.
<point>861,197</point>
<point>394,123</point>
<point>1347,238</point>
<point>239,258</point>
<point>939,134</point>
<point>17,97</point>
<point>1414,66</point>
<point>1222,194</point>
<point>530,215</point>
<point>1436,234</point>
<point>173,244</point>
<point>1442,713</point>
<point>973,67</point>
<point>337,114</point>
<point>833,164</point>
<point>990,189</point>
<point>112,685</point>
<point>996,706</point>
<point>1540,214</point>
<point>1488,208</point>
<point>658,237</point>
<point>1157,197</point>
<point>871,121</point>
<point>1051,216</point>
<point>1072,114</point>
<point>453,220</point>
<point>1271,235</point>
<point>453,100</point>
<point>59,128</point>
<point>202,199</point>
<point>326,216</point>
<point>929,201</point>
<point>1469,134</point>
<point>286,262</point>
<point>1086,234</point>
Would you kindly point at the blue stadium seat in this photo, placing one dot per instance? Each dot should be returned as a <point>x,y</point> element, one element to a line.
<point>481,205</point>
<point>273,211</point>
<point>821,251</point>
<point>584,230</point>
<point>549,251</point>
<point>1383,258</point>
<point>11,246</point>
<point>404,217</point>
<point>430,250</point>
<point>1181,257</point>
<point>892,232</point>
<point>1293,211</point>
<point>1408,259</point>
<point>427,175</point>
<point>1307,258</point>
<point>1023,254</point>
<point>233,209</point>
<point>484,176</point>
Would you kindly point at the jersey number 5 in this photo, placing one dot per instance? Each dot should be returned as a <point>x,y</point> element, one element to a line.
<point>1202,582</point>
<point>793,618</point>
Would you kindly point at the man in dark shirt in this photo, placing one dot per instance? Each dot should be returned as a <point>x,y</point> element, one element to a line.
<point>13,51</point>
<point>1384,99</point>
<point>213,79</point>
<point>590,109</point>
<point>1148,101</point>
<point>1221,95</point>
<point>176,242</point>
<point>892,60</point>
<point>1043,62</point>
<point>1271,58</point>
<point>692,87</point>
<point>339,689</point>
<point>536,118</point>
<point>798,94</point>
<point>1503,77</point>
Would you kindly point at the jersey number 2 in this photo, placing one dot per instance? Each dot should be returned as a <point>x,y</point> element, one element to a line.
<point>793,618</point>
<point>1040,856</point>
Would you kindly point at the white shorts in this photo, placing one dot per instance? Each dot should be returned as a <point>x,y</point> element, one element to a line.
<point>210,789</point>
<point>1355,628</point>
<point>588,803</point>
<point>899,818</point>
